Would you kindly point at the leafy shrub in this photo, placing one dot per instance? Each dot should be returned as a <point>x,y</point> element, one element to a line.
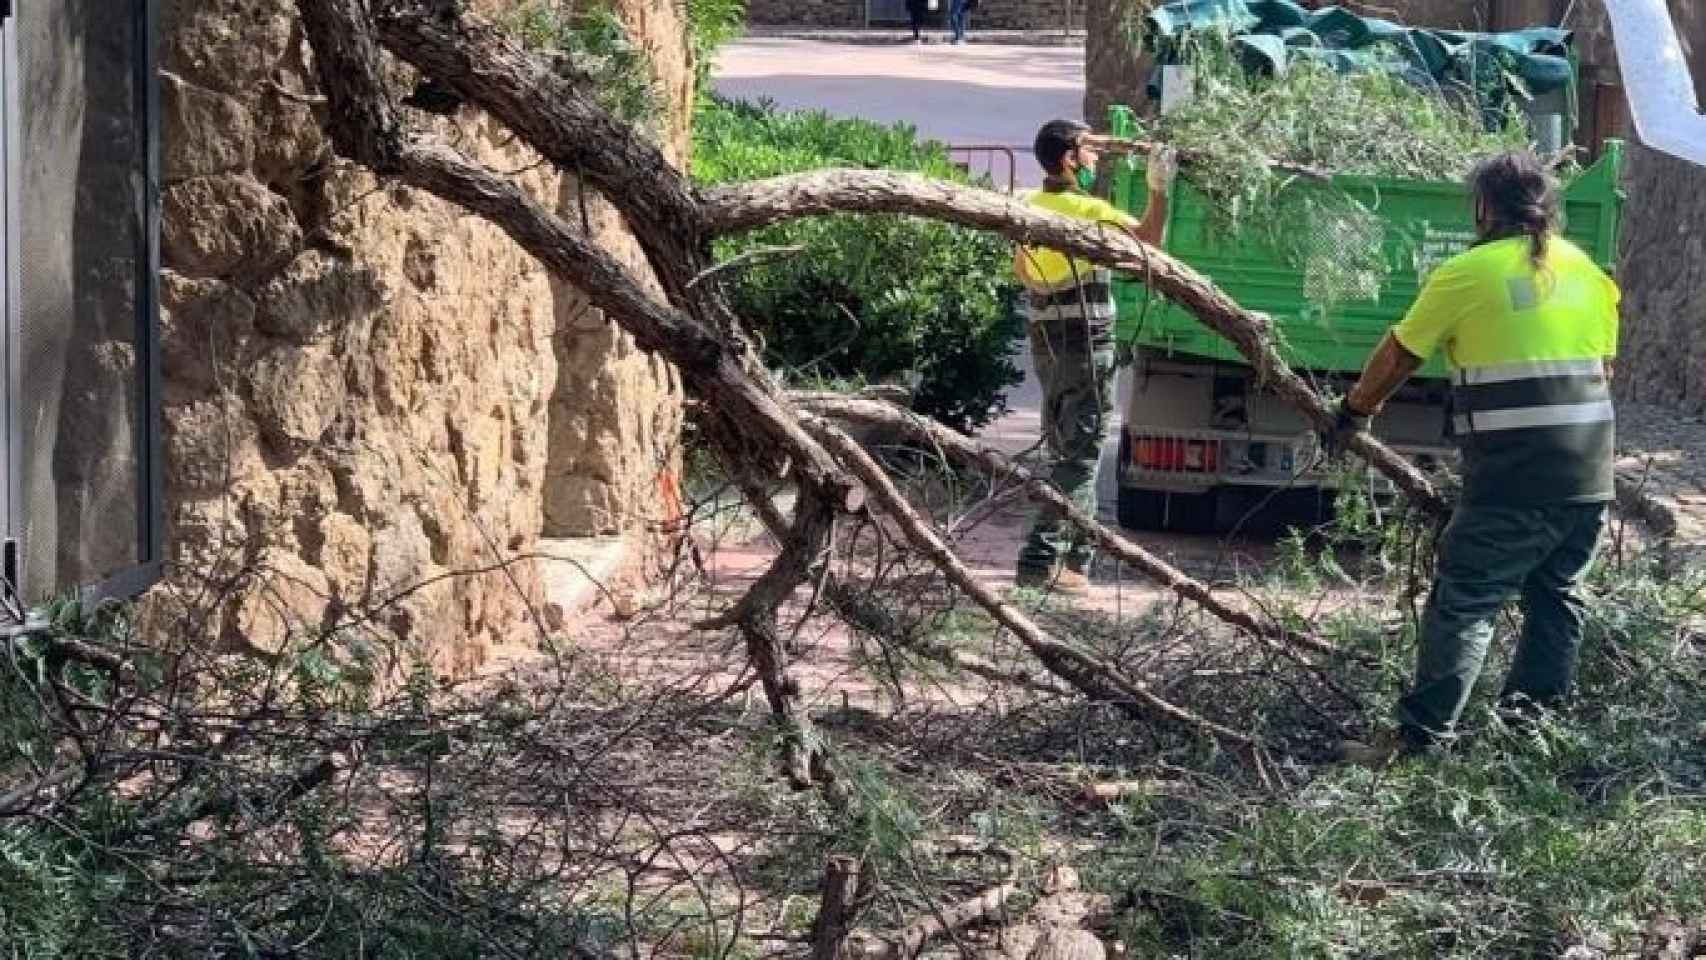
<point>591,41</point>
<point>710,24</point>
<point>870,298</point>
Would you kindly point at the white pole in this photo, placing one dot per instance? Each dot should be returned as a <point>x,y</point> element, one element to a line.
<point>1656,78</point>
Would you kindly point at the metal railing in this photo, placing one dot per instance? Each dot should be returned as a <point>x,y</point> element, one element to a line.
<point>988,152</point>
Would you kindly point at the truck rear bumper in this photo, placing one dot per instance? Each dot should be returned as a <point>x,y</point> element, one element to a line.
<point>1193,426</point>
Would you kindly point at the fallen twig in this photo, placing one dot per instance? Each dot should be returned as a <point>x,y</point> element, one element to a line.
<point>1110,791</point>
<point>1091,674</point>
<point>971,453</point>
<point>986,906</point>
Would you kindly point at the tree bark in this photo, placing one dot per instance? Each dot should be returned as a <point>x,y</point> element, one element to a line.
<point>1116,69</point>
<point>1663,275</point>
<point>843,889</point>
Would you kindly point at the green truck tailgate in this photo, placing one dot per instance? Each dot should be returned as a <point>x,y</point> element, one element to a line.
<point>1425,223</point>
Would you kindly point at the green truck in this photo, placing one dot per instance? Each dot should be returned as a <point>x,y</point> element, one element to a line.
<point>1203,445</point>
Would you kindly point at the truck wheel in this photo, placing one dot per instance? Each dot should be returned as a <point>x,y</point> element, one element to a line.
<point>1193,512</point>
<point>1142,509</point>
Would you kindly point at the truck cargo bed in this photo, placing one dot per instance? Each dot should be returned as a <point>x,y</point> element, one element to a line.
<point>1425,223</point>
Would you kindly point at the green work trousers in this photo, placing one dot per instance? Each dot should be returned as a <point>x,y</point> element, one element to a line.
<point>1489,554</point>
<point>1077,385</point>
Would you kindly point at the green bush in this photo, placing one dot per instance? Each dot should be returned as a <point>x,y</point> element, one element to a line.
<point>710,24</point>
<point>590,42</point>
<point>870,298</point>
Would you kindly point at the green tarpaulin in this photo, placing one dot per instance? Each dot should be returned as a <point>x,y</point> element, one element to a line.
<point>1272,35</point>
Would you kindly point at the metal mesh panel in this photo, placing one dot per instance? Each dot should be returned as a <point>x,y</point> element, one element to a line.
<point>83,240</point>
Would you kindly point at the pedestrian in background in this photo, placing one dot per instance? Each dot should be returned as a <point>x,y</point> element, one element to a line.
<point>957,11</point>
<point>915,10</point>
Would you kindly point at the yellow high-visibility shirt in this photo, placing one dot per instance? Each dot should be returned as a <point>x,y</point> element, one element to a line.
<point>1531,405</point>
<point>1488,305</point>
<point>1052,269</point>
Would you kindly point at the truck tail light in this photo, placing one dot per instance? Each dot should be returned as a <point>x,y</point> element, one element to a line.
<point>1175,454</point>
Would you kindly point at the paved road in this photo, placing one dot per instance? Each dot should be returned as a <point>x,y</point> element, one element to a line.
<point>971,94</point>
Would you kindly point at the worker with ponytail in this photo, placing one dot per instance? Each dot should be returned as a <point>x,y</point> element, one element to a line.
<point>1528,326</point>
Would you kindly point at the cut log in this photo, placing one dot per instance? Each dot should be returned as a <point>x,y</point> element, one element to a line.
<point>843,889</point>
<point>1108,792</point>
<point>987,907</point>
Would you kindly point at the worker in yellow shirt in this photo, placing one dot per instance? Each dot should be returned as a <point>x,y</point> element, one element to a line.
<point>1069,314</point>
<point>1528,323</point>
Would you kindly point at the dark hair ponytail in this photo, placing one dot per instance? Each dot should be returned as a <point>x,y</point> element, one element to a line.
<point>1517,196</point>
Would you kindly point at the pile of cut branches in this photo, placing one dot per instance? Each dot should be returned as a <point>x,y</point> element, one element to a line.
<point>1244,136</point>
<point>1238,125</point>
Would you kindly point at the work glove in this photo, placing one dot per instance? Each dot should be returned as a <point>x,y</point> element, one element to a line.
<point>1163,167</point>
<point>1347,423</point>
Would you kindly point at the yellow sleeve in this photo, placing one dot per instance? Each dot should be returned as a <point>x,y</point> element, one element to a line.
<point>1613,296</point>
<point>1102,211</point>
<point>1432,321</point>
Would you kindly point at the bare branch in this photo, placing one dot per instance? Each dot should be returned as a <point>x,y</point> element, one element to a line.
<point>973,454</point>
<point>987,905</point>
<point>1091,674</point>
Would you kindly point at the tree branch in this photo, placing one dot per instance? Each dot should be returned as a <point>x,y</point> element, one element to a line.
<point>994,463</point>
<point>553,111</point>
<point>749,205</point>
<point>1091,674</point>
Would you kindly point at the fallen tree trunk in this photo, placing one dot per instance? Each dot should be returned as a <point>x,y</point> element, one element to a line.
<point>752,423</point>
<point>748,205</point>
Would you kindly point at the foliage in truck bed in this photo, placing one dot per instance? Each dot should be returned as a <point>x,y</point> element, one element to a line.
<point>1238,126</point>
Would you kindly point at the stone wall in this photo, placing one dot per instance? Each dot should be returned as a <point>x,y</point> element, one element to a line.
<point>362,391</point>
<point>615,415</point>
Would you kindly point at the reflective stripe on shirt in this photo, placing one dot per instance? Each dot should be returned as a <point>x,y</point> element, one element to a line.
<point>1535,431</point>
<point>1506,372</point>
<point>1531,394</point>
<point>1521,418</point>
